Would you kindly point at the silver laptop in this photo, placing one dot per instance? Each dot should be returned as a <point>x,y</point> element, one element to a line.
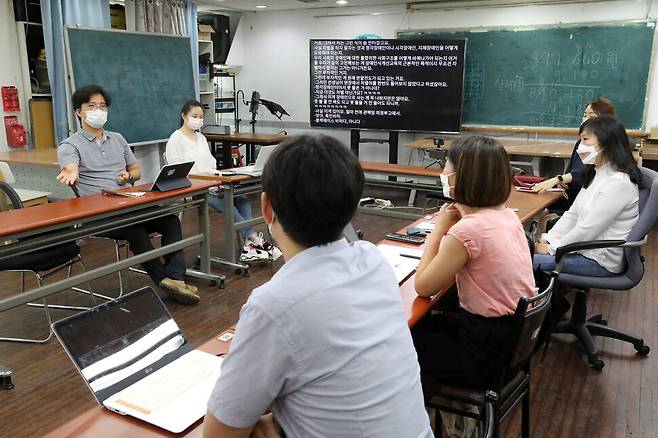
<point>136,361</point>
<point>257,169</point>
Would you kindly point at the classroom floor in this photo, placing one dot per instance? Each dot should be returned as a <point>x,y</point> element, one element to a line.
<point>568,399</point>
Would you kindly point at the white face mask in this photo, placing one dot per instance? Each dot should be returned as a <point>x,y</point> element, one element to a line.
<point>269,226</point>
<point>587,153</point>
<point>194,123</point>
<point>584,120</point>
<point>96,118</point>
<point>445,185</point>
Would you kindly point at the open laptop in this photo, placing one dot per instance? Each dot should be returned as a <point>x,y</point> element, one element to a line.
<point>257,169</point>
<point>172,176</point>
<point>136,361</point>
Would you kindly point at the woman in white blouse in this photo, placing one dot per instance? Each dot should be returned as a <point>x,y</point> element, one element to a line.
<point>606,207</point>
<point>187,144</point>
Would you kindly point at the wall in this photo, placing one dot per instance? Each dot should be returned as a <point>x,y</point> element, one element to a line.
<point>273,48</point>
<point>10,69</point>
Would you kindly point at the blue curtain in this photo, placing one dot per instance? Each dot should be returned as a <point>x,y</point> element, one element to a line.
<point>191,27</point>
<point>55,15</point>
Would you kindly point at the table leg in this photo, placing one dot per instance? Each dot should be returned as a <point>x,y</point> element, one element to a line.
<point>535,165</point>
<point>204,228</point>
<point>229,223</point>
<point>229,234</point>
<point>227,155</point>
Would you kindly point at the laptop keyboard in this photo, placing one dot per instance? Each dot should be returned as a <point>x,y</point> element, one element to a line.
<point>163,386</point>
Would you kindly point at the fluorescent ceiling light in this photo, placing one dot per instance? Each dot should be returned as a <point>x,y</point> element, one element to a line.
<point>341,2</point>
<point>261,6</point>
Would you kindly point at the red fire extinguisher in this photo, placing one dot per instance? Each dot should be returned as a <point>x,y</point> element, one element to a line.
<point>15,133</point>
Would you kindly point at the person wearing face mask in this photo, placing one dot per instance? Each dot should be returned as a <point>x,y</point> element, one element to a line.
<point>94,159</point>
<point>325,343</point>
<point>188,144</point>
<point>572,180</point>
<point>605,209</point>
<point>479,244</point>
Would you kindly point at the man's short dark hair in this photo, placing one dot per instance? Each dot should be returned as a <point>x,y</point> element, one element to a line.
<point>83,94</point>
<point>314,184</point>
<point>483,173</point>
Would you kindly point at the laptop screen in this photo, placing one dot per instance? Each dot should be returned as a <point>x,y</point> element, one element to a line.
<point>120,342</point>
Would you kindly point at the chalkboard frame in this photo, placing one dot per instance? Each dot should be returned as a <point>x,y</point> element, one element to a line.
<point>71,85</point>
<point>530,27</point>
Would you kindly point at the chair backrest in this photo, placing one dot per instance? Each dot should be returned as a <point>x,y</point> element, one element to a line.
<point>349,233</point>
<point>529,318</point>
<point>5,173</point>
<point>8,193</point>
<point>648,207</point>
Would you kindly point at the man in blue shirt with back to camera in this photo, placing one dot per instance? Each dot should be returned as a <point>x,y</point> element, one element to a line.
<point>325,343</point>
<point>94,159</point>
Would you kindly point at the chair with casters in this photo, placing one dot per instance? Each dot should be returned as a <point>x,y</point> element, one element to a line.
<point>585,327</point>
<point>43,264</point>
<point>511,386</point>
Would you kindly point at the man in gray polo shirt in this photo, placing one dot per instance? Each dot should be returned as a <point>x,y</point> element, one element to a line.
<point>93,159</point>
<point>325,343</point>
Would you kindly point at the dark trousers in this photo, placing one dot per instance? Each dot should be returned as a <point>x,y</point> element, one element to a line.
<point>171,265</point>
<point>457,347</point>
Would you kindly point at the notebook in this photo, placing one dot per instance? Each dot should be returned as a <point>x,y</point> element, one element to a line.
<point>257,168</point>
<point>403,260</point>
<point>135,360</point>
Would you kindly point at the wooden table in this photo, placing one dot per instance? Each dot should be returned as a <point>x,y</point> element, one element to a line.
<point>649,150</point>
<point>428,143</point>
<point>55,223</point>
<point>99,422</point>
<point>528,205</point>
<point>251,140</point>
<point>534,149</point>
<point>31,198</point>
<point>36,157</point>
<point>400,170</point>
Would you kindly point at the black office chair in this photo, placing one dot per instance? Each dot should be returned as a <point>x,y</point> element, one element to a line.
<point>513,383</point>
<point>43,264</point>
<point>579,324</point>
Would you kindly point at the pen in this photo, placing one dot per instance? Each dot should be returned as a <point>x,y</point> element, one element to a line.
<point>410,256</point>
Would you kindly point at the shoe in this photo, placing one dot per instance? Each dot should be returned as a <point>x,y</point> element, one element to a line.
<point>252,253</point>
<point>273,252</point>
<point>179,291</point>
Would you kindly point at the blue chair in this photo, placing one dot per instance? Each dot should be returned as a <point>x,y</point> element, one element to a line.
<point>43,264</point>
<point>579,324</point>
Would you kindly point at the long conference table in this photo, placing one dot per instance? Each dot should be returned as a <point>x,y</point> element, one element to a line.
<point>99,422</point>
<point>48,225</point>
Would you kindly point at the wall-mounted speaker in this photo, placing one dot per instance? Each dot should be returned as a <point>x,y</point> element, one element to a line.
<point>27,10</point>
<point>221,39</point>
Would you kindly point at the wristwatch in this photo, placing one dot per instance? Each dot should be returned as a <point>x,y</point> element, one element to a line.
<point>560,178</point>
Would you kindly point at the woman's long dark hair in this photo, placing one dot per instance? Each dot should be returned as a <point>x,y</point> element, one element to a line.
<point>187,106</point>
<point>611,134</point>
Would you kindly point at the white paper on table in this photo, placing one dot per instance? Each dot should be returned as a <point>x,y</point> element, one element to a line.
<point>402,266</point>
<point>427,225</point>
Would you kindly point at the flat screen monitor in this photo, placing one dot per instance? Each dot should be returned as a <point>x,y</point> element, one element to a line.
<point>394,85</point>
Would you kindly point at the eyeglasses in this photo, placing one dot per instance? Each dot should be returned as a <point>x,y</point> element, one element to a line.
<point>96,106</point>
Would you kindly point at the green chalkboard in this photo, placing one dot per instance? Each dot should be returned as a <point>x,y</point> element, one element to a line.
<point>545,76</point>
<point>149,77</point>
